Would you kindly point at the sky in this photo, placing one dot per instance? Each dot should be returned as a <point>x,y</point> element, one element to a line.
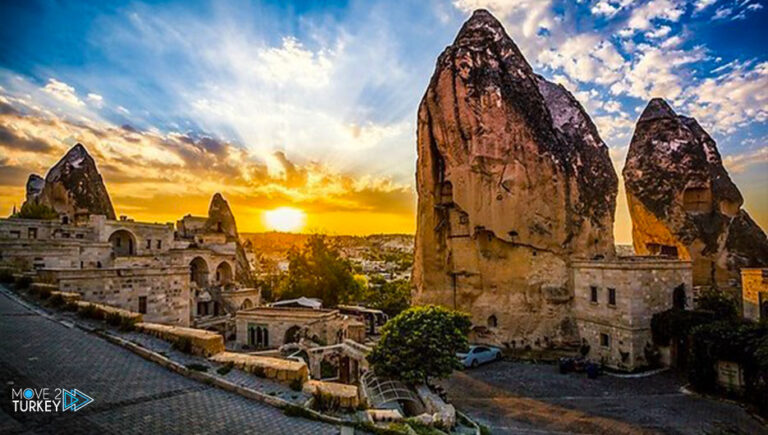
<point>310,107</point>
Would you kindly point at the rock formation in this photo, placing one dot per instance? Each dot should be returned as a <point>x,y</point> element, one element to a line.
<point>221,219</point>
<point>683,203</point>
<point>513,180</point>
<point>73,186</point>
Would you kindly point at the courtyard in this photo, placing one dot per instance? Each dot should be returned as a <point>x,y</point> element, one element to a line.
<point>518,397</point>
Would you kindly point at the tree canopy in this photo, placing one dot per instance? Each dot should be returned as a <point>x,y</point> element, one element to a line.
<point>421,343</point>
<point>35,211</point>
<point>317,270</point>
<point>392,297</point>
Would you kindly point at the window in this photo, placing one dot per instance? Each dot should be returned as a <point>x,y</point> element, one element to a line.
<point>15,234</point>
<point>159,244</point>
<point>605,340</point>
<point>593,294</point>
<point>32,233</point>
<point>149,244</point>
<point>143,304</point>
<point>612,296</point>
<point>492,321</point>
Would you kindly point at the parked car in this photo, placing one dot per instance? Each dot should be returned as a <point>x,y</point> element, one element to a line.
<point>479,355</point>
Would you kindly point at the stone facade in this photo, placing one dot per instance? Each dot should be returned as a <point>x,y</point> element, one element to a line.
<point>160,293</point>
<point>614,301</point>
<point>272,327</point>
<point>754,290</point>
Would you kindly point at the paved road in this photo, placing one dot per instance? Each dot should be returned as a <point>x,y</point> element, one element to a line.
<point>531,398</point>
<point>132,395</point>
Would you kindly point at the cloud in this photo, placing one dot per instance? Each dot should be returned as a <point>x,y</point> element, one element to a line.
<point>62,92</point>
<point>643,16</point>
<point>13,140</point>
<point>700,5</point>
<point>95,100</point>
<point>737,163</point>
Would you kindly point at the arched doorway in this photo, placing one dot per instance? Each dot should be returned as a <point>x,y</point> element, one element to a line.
<point>223,273</point>
<point>198,272</point>
<point>492,321</point>
<point>678,297</point>
<point>292,334</point>
<point>123,243</point>
<point>247,304</point>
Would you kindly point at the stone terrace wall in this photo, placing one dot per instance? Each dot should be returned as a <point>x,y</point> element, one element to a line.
<point>166,289</point>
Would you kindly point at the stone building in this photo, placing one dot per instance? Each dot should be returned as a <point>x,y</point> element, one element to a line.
<point>272,327</point>
<point>754,290</point>
<point>185,274</point>
<point>614,301</point>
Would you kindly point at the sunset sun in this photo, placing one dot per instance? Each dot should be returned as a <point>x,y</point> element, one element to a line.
<point>284,219</point>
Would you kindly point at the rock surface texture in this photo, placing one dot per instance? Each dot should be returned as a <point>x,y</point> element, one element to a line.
<point>73,186</point>
<point>222,220</point>
<point>682,201</point>
<point>513,181</point>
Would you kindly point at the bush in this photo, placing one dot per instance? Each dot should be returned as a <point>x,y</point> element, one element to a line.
<point>56,301</point>
<point>224,370</point>
<point>722,306</point>
<point>113,319</point>
<point>6,276</point>
<point>71,306</point>
<point>183,344</point>
<point>326,402</point>
<point>22,282</point>
<point>128,323</point>
<point>259,372</point>
<point>676,323</point>
<point>296,384</point>
<point>43,293</point>
<point>197,367</point>
<point>36,211</point>
<point>90,312</point>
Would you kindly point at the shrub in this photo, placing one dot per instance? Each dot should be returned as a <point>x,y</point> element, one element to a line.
<point>22,282</point>
<point>296,384</point>
<point>43,293</point>
<point>113,319</point>
<point>197,367</point>
<point>128,323</point>
<point>36,211</point>
<point>6,276</point>
<point>326,402</point>
<point>183,344</point>
<point>722,306</point>
<point>224,370</point>
<point>423,429</point>
<point>259,371</point>
<point>676,323</point>
<point>57,301</point>
<point>90,312</point>
<point>71,306</point>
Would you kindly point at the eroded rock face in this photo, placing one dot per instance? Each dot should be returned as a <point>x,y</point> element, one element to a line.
<point>221,219</point>
<point>682,201</point>
<point>513,180</point>
<point>73,186</point>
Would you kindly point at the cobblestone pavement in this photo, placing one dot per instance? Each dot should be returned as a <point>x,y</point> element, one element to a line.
<point>131,395</point>
<point>512,397</point>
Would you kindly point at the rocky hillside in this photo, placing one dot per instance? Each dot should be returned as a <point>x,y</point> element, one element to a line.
<point>682,201</point>
<point>73,186</point>
<point>512,180</point>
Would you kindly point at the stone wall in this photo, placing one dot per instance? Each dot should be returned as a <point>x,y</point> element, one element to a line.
<point>618,333</point>
<point>166,290</point>
<point>321,326</point>
<point>754,290</point>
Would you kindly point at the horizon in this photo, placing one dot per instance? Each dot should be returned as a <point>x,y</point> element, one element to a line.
<point>277,106</point>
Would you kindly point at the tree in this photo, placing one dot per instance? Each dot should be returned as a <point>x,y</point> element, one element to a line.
<point>719,303</point>
<point>35,211</point>
<point>317,270</point>
<point>421,343</point>
<point>392,297</point>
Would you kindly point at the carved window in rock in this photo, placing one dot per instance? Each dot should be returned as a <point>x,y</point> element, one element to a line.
<point>605,340</point>
<point>198,272</point>
<point>612,297</point>
<point>493,322</point>
<point>593,294</point>
<point>697,200</point>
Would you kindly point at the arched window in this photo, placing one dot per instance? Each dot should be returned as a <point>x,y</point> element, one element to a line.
<point>493,322</point>
<point>198,272</point>
<point>123,243</point>
<point>247,304</point>
<point>224,273</point>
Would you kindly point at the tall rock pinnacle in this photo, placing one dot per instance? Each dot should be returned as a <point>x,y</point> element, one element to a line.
<point>222,220</point>
<point>682,201</point>
<point>513,180</point>
<point>73,186</point>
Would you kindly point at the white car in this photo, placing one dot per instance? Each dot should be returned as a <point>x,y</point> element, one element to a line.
<point>478,354</point>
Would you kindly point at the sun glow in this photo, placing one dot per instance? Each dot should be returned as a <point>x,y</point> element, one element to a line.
<point>284,219</point>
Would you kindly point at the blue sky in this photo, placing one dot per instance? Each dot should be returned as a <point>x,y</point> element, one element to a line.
<point>328,91</point>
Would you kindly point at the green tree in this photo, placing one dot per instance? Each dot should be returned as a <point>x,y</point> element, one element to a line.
<point>421,343</point>
<point>317,270</point>
<point>392,297</point>
<point>35,211</point>
<point>719,303</point>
